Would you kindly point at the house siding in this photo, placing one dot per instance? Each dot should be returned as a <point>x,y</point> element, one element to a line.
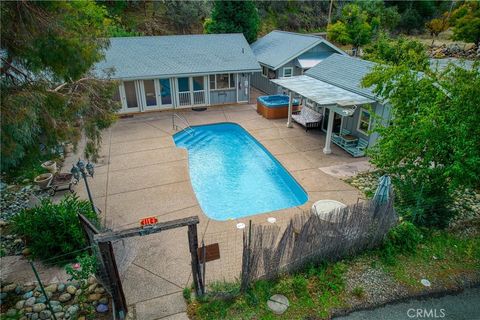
<point>264,84</point>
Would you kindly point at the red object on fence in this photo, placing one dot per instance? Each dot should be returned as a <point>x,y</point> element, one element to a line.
<point>148,221</point>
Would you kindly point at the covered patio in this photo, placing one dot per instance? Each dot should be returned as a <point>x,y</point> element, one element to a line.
<point>322,95</point>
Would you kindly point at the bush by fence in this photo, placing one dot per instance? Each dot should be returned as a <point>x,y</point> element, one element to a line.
<point>268,250</point>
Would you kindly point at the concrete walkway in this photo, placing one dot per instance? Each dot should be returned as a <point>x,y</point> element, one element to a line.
<point>463,306</point>
<point>141,173</point>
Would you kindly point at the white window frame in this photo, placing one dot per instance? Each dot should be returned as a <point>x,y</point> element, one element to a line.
<point>291,72</point>
<point>231,86</point>
<point>360,120</point>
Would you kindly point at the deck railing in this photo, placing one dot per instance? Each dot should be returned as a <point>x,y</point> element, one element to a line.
<point>184,98</point>
<point>199,97</point>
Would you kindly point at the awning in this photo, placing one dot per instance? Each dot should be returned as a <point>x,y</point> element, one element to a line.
<point>323,94</point>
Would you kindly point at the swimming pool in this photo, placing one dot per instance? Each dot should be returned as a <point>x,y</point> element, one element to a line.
<point>233,175</point>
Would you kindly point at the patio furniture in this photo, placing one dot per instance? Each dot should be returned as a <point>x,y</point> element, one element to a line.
<point>344,138</point>
<point>307,118</point>
<point>359,149</point>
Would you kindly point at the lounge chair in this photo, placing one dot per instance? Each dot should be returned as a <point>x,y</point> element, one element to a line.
<point>359,149</point>
<point>307,118</point>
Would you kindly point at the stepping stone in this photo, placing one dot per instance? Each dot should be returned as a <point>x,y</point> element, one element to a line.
<point>278,304</point>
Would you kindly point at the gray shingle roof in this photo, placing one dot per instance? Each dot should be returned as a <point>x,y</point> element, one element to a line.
<point>164,56</point>
<point>345,72</point>
<point>279,47</point>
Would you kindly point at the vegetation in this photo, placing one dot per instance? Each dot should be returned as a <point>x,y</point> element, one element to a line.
<point>431,147</point>
<point>48,92</point>
<point>81,271</point>
<point>353,27</point>
<point>399,51</point>
<point>321,289</point>
<point>466,22</point>
<point>234,17</point>
<point>52,230</point>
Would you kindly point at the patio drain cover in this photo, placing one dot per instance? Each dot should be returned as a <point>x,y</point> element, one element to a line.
<point>278,303</point>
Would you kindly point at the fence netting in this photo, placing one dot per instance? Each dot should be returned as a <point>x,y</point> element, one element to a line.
<point>269,250</point>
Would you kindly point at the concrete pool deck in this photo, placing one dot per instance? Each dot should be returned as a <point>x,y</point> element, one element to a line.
<point>141,173</point>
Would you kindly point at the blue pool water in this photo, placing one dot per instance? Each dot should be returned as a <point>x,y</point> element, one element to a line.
<point>233,175</point>
<point>274,101</point>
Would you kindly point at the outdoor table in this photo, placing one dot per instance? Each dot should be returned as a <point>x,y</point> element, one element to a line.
<point>349,140</point>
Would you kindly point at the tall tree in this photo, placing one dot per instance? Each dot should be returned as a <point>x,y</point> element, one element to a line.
<point>183,15</point>
<point>353,27</point>
<point>466,22</point>
<point>234,17</point>
<point>432,145</point>
<point>49,94</point>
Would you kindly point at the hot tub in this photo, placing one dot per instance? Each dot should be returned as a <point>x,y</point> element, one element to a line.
<point>274,107</point>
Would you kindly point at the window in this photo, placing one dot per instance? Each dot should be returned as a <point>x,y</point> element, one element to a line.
<point>130,94</point>
<point>150,96</point>
<point>183,84</point>
<point>364,121</point>
<point>165,91</point>
<point>287,72</point>
<point>268,73</point>
<point>222,81</point>
<point>197,83</point>
<point>265,71</point>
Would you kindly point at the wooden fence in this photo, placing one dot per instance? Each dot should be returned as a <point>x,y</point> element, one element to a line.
<point>269,250</point>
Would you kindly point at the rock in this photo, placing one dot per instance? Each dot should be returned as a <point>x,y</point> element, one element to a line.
<point>28,295</point>
<point>30,302</point>
<point>20,304</point>
<point>45,314</point>
<point>102,308</point>
<point>34,316</point>
<point>64,297</point>
<point>37,307</point>
<point>9,287</point>
<point>61,287</point>
<point>94,297</point>
<point>11,312</point>
<point>278,303</point>
<point>57,308</point>
<point>73,310</point>
<point>92,280</point>
<point>99,290</point>
<point>41,299</point>
<point>51,288</point>
<point>19,290</point>
<point>91,287</point>
<point>79,292</point>
<point>54,303</point>
<point>71,289</point>
<point>104,300</point>
<point>59,315</point>
<point>81,318</point>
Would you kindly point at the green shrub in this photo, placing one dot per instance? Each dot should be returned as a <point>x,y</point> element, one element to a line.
<point>53,229</point>
<point>187,294</point>
<point>403,238</point>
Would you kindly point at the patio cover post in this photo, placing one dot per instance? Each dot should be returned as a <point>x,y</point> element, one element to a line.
<point>328,138</point>
<point>290,103</point>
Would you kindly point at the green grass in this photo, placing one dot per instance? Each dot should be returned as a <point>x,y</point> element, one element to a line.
<point>439,256</point>
<point>311,293</point>
<point>319,289</point>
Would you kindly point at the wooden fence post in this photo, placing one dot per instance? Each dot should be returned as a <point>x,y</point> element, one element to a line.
<point>108,257</point>
<point>193,245</point>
